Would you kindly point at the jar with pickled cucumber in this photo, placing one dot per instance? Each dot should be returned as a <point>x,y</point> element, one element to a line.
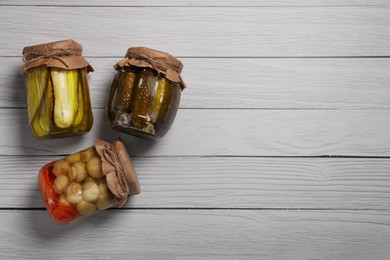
<point>145,93</point>
<point>88,181</point>
<point>58,100</point>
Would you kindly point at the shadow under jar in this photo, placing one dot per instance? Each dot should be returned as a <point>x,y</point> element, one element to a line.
<point>145,93</point>
<point>58,100</point>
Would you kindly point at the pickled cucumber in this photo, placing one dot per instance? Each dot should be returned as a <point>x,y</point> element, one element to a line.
<point>85,120</point>
<point>46,111</point>
<point>37,128</point>
<point>154,100</point>
<point>162,101</point>
<point>36,83</point>
<point>65,96</point>
<point>80,111</point>
<point>125,92</point>
<point>58,102</point>
<point>143,99</point>
<point>112,96</point>
<point>37,88</point>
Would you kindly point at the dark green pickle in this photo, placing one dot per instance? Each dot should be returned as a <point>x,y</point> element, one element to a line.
<point>142,101</point>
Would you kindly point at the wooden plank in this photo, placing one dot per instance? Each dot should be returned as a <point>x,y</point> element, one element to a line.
<point>195,234</point>
<point>225,133</point>
<point>174,182</point>
<point>247,83</point>
<point>267,31</point>
<point>193,3</point>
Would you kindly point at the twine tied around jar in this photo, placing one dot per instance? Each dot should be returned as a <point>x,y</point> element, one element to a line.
<point>118,169</point>
<point>161,62</point>
<point>65,54</point>
<point>158,63</point>
<point>51,54</point>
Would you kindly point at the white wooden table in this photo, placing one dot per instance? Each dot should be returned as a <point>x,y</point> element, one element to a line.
<point>280,149</point>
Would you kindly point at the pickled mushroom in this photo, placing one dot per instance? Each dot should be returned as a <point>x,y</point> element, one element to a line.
<point>77,172</point>
<point>60,184</point>
<point>74,192</point>
<point>85,208</point>
<point>61,167</point>
<point>94,167</point>
<point>87,154</point>
<point>90,191</point>
<point>73,158</point>
<point>104,200</point>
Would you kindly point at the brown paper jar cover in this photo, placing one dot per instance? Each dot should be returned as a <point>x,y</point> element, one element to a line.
<point>162,62</point>
<point>120,174</point>
<point>65,54</point>
<point>88,181</point>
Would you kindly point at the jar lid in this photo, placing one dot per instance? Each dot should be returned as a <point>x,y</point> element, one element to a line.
<point>66,54</point>
<point>120,174</point>
<point>162,62</point>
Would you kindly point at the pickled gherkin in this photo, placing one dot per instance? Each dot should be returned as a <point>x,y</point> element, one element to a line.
<point>162,100</point>
<point>125,93</point>
<point>145,93</point>
<point>111,100</point>
<point>143,103</point>
<point>58,101</point>
<point>143,98</point>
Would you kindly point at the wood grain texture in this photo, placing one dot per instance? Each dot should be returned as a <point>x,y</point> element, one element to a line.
<point>267,31</point>
<point>273,86</point>
<point>194,234</point>
<point>266,83</point>
<point>215,183</point>
<point>225,133</point>
<point>196,3</point>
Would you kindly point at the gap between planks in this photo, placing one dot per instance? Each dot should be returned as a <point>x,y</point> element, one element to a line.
<point>208,208</point>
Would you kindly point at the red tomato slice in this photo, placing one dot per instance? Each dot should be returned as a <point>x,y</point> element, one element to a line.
<point>59,212</point>
<point>45,179</point>
<point>64,214</point>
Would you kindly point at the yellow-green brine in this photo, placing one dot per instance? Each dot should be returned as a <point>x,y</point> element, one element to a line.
<point>58,99</point>
<point>145,93</point>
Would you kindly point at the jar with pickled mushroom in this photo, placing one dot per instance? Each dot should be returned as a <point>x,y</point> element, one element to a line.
<point>58,100</point>
<point>145,93</point>
<point>88,181</point>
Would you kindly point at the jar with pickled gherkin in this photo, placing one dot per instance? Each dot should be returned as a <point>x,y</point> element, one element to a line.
<point>145,93</point>
<point>88,181</point>
<point>58,100</point>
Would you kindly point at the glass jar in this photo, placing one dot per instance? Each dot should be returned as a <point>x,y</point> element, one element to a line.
<point>88,181</point>
<point>58,100</point>
<point>145,93</point>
